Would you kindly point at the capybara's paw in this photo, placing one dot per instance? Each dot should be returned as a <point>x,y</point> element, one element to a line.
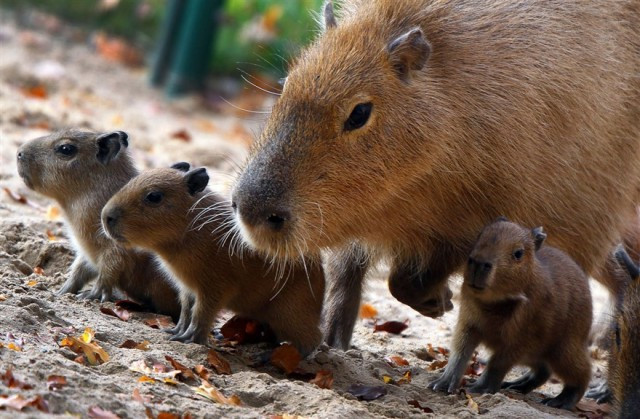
<point>480,387</point>
<point>600,393</point>
<point>558,402</point>
<point>444,383</point>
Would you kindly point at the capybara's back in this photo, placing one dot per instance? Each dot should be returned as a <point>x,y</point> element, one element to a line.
<point>528,108</point>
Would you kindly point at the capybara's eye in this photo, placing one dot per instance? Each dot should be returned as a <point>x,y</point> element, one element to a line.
<point>154,197</point>
<point>359,116</point>
<point>67,150</point>
<point>517,255</point>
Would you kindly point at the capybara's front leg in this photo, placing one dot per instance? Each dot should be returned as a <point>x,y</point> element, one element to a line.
<point>346,270</point>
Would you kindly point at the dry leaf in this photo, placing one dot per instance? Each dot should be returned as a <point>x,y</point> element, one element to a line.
<point>181,134</point>
<point>213,394</point>
<point>323,379</point>
<point>117,49</point>
<point>436,365</point>
<point>202,372</point>
<point>417,405</point>
<point>50,236</point>
<point>38,270</point>
<point>387,379</point>
<point>132,344</point>
<point>471,404</point>
<point>20,199</point>
<point>146,379</point>
<point>170,381</point>
<point>476,367</point>
<point>391,327</point>
<point>167,415</point>
<point>14,347</point>
<point>141,367</point>
<point>38,91</point>
<point>99,413</point>
<point>219,364</point>
<point>94,353</point>
<point>590,409</point>
<point>56,382</point>
<point>139,397</point>
<point>118,312</point>
<point>286,357</point>
<point>243,330</point>
<point>3,297</point>
<point>406,378</point>
<point>367,311</point>
<point>185,372</point>
<point>396,361</point>
<point>17,402</point>
<point>10,381</point>
<point>158,322</point>
<point>53,213</point>
<point>367,393</point>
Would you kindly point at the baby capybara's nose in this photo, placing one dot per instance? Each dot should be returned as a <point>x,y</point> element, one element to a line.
<point>110,218</point>
<point>479,273</point>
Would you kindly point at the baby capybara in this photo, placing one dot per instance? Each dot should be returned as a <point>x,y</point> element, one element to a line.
<point>170,212</point>
<point>624,361</point>
<point>530,304</point>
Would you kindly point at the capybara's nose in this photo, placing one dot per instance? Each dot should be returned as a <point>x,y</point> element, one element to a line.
<point>260,205</point>
<point>479,273</point>
<point>255,216</point>
<point>20,155</point>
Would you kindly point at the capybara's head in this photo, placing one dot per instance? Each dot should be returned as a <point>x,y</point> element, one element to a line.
<point>624,380</point>
<point>342,137</point>
<point>153,208</point>
<point>70,162</point>
<point>503,254</point>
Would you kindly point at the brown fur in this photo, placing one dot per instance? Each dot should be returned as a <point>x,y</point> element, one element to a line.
<point>624,361</point>
<point>82,184</point>
<point>192,244</point>
<point>528,108</point>
<point>529,305</point>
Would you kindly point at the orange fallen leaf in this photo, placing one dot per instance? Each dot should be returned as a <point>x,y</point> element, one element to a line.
<point>99,413</point>
<point>437,364</point>
<point>79,359</point>
<point>286,357</point>
<point>323,379</point>
<point>181,134</point>
<point>202,372</point>
<point>367,311</point>
<point>396,361</point>
<point>52,237</point>
<point>17,402</point>
<point>10,381</point>
<point>213,394</point>
<point>146,379</point>
<point>117,49</point>
<point>56,382</point>
<point>53,213</point>
<point>132,344</point>
<point>406,378</point>
<point>471,404</point>
<point>94,353</point>
<point>219,364</point>
<point>170,381</point>
<point>38,270</point>
<point>168,415</point>
<point>116,311</point>
<point>31,283</point>
<point>394,327</point>
<point>37,91</point>
<point>185,372</point>
<point>14,347</point>
<point>158,322</point>
<point>417,405</point>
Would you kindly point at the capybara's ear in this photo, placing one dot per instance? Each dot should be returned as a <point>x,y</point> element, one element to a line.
<point>329,17</point>
<point>500,219</point>
<point>538,237</point>
<point>409,52</point>
<point>197,180</point>
<point>183,166</point>
<point>109,145</point>
<point>625,260</point>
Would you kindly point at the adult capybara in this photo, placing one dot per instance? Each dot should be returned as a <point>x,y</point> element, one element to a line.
<point>408,125</point>
<point>529,304</point>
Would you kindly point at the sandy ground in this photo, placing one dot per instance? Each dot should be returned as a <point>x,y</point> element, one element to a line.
<point>85,90</point>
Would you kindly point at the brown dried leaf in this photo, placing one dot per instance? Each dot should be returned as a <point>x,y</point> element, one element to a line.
<point>118,312</point>
<point>38,270</point>
<point>211,393</point>
<point>396,361</point>
<point>367,311</point>
<point>437,364</point>
<point>10,381</point>
<point>17,402</point>
<point>94,353</point>
<point>417,405</point>
<point>185,373</point>
<point>117,49</point>
<point>391,327</point>
<point>243,330</point>
<point>168,415</point>
<point>476,367</point>
<point>406,378</point>
<point>590,409</point>
<point>219,364</point>
<point>286,357</point>
<point>3,297</point>
<point>132,344</point>
<point>324,379</point>
<point>202,372</point>
<point>158,322</point>
<point>38,91</point>
<point>181,134</point>
<point>96,412</point>
<point>56,382</point>
<point>139,397</point>
<point>146,379</point>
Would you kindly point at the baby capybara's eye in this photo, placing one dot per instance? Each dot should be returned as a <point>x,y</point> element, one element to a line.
<point>359,116</point>
<point>517,255</point>
<point>154,197</point>
<point>67,150</point>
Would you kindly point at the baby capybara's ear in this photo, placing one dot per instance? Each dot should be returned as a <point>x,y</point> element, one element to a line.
<point>109,145</point>
<point>625,260</point>
<point>539,237</point>
<point>197,180</point>
<point>182,166</point>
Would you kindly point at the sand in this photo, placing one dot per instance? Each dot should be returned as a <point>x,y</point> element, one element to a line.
<point>84,90</point>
